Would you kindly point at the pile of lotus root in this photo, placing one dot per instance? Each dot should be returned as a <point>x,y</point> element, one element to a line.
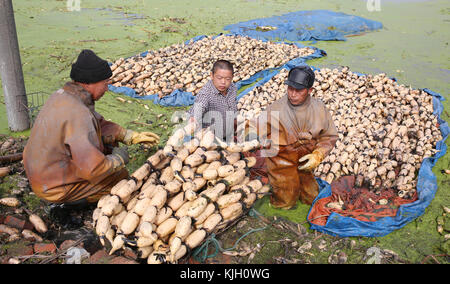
<point>385,129</point>
<point>188,66</point>
<point>181,194</point>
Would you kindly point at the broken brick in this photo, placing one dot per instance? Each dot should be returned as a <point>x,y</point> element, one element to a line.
<point>129,253</point>
<point>122,260</point>
<point>68,244</point>
<point>17,223</point>
<point>44,247</point>
<point>100,257</point>
<point>19,249</point>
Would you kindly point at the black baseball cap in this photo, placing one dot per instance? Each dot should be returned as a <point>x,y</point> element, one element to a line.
<point>300,77</point>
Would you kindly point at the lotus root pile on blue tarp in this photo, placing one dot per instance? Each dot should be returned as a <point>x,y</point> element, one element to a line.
<point>338,225</point>
<point>295,26</point>
<point>180,98</point>
<point>305,26</point>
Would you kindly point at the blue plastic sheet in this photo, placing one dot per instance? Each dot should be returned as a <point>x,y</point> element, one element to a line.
<point>180,98</point>
<point>177,98</point>
<point>305,26</point>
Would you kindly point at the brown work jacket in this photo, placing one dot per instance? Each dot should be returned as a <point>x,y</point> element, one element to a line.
<point>295,131</point>
<point>65,155</point>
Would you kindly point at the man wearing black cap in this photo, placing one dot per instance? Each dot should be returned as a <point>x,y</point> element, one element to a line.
<point>301,133</point>
<point>68,156</point>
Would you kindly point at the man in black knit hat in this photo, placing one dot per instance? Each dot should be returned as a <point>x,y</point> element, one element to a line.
<point>69,155</point>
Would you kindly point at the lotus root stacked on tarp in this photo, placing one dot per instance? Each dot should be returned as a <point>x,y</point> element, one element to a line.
<point>181,194</point>
<point>385,129</point>
<point>188,66</point>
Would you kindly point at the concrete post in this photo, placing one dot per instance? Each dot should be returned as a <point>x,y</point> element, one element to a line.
<point>11,70</point>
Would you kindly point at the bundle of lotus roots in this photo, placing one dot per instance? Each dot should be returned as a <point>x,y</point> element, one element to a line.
<point>188,66</point>
<point>181,194</point>
<point>385,129</point>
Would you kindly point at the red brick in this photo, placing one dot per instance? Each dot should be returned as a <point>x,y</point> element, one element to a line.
<point>220,259</point>
<point>129,253</point>
<point>191,260</point>
<point>68,244</point>
<point>20,249</point>
<point>17,223</point>
<point>227,259</point>
<point>44,247</point>
<point>28,250</point>
<point>122,260</point>
<point>100,257</point>
<point>3,260</point>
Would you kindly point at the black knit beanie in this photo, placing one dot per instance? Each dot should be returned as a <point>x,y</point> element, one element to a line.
<point>89,68</point>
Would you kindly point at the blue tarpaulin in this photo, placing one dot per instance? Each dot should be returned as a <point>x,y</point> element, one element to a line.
<point>305,26</point>
<point>180,98</point>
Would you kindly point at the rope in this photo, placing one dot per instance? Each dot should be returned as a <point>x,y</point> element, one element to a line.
<point>201,253</point>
